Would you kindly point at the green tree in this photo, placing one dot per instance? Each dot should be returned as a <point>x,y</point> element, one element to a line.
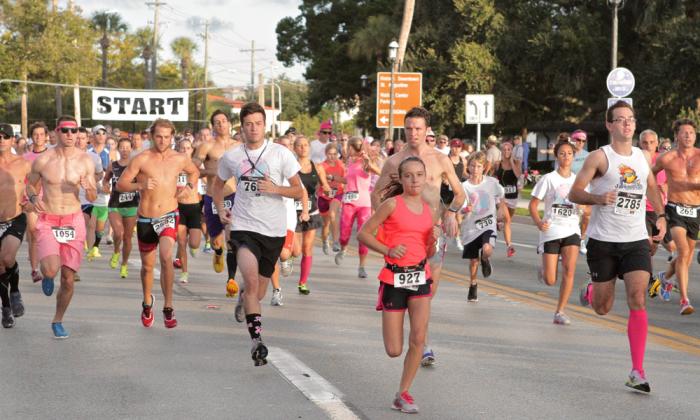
<point>109,25</point>
<point>184,48</point>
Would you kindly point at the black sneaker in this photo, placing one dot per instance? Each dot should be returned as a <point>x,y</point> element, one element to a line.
<point>8,321</point>
<point>486,268</point>
<point>16,304</point>
<point>259,353</point>
<point>471,297</point>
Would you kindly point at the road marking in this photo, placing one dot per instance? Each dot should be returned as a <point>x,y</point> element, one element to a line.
<point>314,387</point>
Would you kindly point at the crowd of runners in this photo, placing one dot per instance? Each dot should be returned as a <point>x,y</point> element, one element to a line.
<point>255,205</point>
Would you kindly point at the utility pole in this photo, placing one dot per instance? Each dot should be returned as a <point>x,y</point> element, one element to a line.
<point>272,104</point>
<point>261,90</point>
<point>252,51</point>
<point>206,65</point>
<point>154,61</point>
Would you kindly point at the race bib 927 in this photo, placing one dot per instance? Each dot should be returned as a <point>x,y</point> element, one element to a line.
<point>410,280</point>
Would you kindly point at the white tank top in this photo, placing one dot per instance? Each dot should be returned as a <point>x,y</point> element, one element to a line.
<point>623,221</point>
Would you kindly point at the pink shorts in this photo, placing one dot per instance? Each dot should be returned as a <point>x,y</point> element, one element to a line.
<point>49,227</point>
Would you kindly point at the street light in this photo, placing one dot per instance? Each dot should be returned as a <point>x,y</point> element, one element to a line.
<point>364,81</point>
<point>615,4</point>
<point>393,50</point>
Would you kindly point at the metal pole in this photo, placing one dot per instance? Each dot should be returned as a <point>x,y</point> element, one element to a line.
<point>76,103</point>
<point>206,69</point>
<point>613,58</point>
<point>391,105</point>
<point>478,137</point>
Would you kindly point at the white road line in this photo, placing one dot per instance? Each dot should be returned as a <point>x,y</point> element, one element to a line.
<point>137,263</point>
<point>316,388</point>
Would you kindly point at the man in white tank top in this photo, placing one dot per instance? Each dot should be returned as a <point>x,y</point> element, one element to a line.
<point>620,179</point>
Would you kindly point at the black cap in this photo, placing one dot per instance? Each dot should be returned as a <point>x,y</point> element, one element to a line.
<point>7,130</point>
<point>290,130</point>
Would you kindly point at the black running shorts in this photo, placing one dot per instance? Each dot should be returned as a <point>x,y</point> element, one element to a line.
<point>690,224</point>
<point>608,260</point>
<point>396,299</point>
<point>266,249</point>
<point>471,250</point>
<point>555,245</point>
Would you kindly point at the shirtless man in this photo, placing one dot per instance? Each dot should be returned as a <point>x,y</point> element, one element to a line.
<point>682,166</point>
<point>40,133</point>
<point>13,171</point>
<point>208,154</point>
<point>156,171</point>
<point>60,230</point>
<point>438,167</point>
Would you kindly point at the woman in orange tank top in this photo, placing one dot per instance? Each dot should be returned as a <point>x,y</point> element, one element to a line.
<point>405,225</point>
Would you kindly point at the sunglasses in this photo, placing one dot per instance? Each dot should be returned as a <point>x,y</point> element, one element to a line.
<point>326,132</point>
<point>430,140</point>
<point>666,148</point>
<point>101,132</point>
<point>4,137</point>
<point>580,141</point>
<point>65,130</point>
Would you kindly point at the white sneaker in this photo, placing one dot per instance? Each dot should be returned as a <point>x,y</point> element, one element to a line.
<point>339,257</point>
<point>583,250</point>
<point>184,277</point>
<point>286,267</point>
<point>460,247</point>
<point>276,297</point>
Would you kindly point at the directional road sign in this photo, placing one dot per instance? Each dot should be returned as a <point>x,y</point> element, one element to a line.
<point>408,93</point>
<point>480,109</point>
<point>620,82</point>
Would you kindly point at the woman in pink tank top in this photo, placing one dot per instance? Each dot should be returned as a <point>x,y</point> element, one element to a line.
<point>406,237</point>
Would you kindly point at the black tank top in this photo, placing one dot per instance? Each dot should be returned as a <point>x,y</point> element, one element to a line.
<point>118,199</point>
<point>507,178</point>
<point>310,182</point>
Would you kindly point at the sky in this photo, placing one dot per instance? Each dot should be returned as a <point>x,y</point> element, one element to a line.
<point>234,24</point>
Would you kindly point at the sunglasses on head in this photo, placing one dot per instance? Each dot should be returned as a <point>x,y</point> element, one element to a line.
<point>65,130</point>
<point>326,132</point>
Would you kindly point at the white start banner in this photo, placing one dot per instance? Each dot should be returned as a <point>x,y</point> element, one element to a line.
<point>139,105</point>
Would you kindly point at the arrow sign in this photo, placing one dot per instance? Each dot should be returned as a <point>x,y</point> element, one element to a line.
<point>407,94</point>
<point>384,120</point>
<point>480,109</point>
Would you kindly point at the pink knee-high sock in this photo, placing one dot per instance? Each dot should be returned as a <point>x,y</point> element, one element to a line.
<point>305,268</point>
<point>637,326</point>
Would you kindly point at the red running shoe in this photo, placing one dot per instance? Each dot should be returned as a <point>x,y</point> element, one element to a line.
<point>177,263</point>
<point>36,276</point>
<point>147,316</point>
<point>169,318</point>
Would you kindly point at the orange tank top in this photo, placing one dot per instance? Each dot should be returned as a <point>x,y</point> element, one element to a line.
<point>403,227</point>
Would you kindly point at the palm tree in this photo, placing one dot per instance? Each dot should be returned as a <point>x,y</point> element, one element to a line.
<point>183,48</point>
<point>370,42</point>
<point>408,8</point>
<point>144,37</point>
<point>109,24</point>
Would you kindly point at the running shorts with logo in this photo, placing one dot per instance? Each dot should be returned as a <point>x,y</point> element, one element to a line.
<point>555,245</point>
<point>14,227</point>
<point>211,215</point>
<point>607,260</point>
<point>100,212</point>
<point>392,298</point>
<point>687,217</point>
<point>266,249</point>
<point>471,250</point>
<point>62,236</point>
<point>190,215</point>
<point>149,230</point>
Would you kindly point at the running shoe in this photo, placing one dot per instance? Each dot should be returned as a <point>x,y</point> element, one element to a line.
<point>361,273</point>
<point>276,297</point>
<point>239,312</point>
<point>686,307</point>
<point>560,318</point>
<point>147,316</point>
<point>259,353</point>
<point>169,318</point>
<point>124,271</point>
<point>207,248</point>
<point>428,358</point>
<point>114,261</point>
<point>16,304</point>
<point>404,403</point>
<point>58,331</point>
<point>471,296</point>
<point>231,288</point>
<point>654,286</point>
<point>36,276</point>
<point>286,267</point>
<point>303,289</point>
<point>586,294</point>
<point>665,292</point>
<point>47,286</point>
<point>109,240</point>
<point>510,251</point>
<point>184,277</point>
<point>336,247</point>
<point>637,381</point>
<point>194,252</point>
<point>218,262</point>
<point>459,245</point>
<point>326,247</point>
<point>94,253</point>
<point>582,249</point>
<point>486,268</point>
<point>178,264</point>
<point>8,321</point>
<point>339,257</point>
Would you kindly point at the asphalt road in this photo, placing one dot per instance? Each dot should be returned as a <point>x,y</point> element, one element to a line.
<point>499,358</point>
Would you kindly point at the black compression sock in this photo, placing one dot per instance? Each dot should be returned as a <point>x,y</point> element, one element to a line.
<point>14,278</point>
<point>254,322</point>
<point>218,251</point>
<point>5,289</point>
<point>98,239</point>
<point>231,263</point>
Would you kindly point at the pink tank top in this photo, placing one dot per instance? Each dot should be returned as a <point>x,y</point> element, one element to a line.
<point>358,180</point>
<point>403,227</point>
<point>660,180</point>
